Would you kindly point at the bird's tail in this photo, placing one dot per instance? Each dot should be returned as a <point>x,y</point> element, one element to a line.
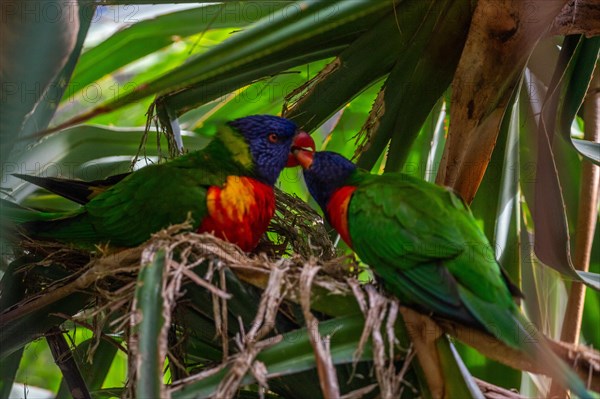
<point>76,190</point>
<point>17,220</point>
<point>510,326</point>
<point>16,214</point>
<point>536,346</point>
<point>12,216</point>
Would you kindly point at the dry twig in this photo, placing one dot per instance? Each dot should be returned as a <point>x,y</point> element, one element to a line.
<point>325,367</point>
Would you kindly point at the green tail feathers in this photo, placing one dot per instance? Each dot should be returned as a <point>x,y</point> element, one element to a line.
<point>18,220</point>
<point>14,214</point>
<point>510,326</point>
<point>535,345</point>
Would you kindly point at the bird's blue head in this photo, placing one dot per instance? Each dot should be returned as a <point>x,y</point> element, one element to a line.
<point>324,173</point>
<point>270,140</point>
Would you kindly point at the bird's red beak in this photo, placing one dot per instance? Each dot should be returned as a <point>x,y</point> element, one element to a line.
<point>302,141</point>
<point>304,157</point>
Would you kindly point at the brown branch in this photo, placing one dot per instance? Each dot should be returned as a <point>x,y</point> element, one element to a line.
<point>578,17</point>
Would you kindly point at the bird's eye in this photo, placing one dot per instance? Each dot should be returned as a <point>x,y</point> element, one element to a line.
<point>273,138</point>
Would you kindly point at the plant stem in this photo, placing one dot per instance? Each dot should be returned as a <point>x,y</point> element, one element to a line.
<point>63,357</point>
<point>587,215</point>
<point>586,222</point>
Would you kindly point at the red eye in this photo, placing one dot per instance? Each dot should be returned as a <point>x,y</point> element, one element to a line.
<point>273,138</point>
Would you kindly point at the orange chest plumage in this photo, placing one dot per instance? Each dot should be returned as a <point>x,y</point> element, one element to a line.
<point>239,211</point>
<point>337,211</point>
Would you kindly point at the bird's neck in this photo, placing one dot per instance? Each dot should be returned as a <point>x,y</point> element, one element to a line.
<point>337,211</point>
<point>323,193</point>
<point>236,145</point>
<point>236,148</point>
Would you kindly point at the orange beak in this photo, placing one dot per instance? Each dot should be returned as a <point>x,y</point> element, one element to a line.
<point>302,142</point>
<point>304,157</point>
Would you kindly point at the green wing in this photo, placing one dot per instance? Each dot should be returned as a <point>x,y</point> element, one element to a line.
<point>424,243</point>
<point>144,202</point>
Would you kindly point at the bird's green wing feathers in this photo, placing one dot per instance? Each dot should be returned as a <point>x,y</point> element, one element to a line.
<point>409,218</point>
<point>426,243</point>
<point>145,201</point>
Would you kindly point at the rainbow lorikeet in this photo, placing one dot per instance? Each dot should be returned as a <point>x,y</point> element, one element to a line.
<point>424,245</point>
<point>227,187</point>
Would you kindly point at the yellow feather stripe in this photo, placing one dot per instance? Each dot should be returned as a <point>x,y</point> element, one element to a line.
<point>238,146</point>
